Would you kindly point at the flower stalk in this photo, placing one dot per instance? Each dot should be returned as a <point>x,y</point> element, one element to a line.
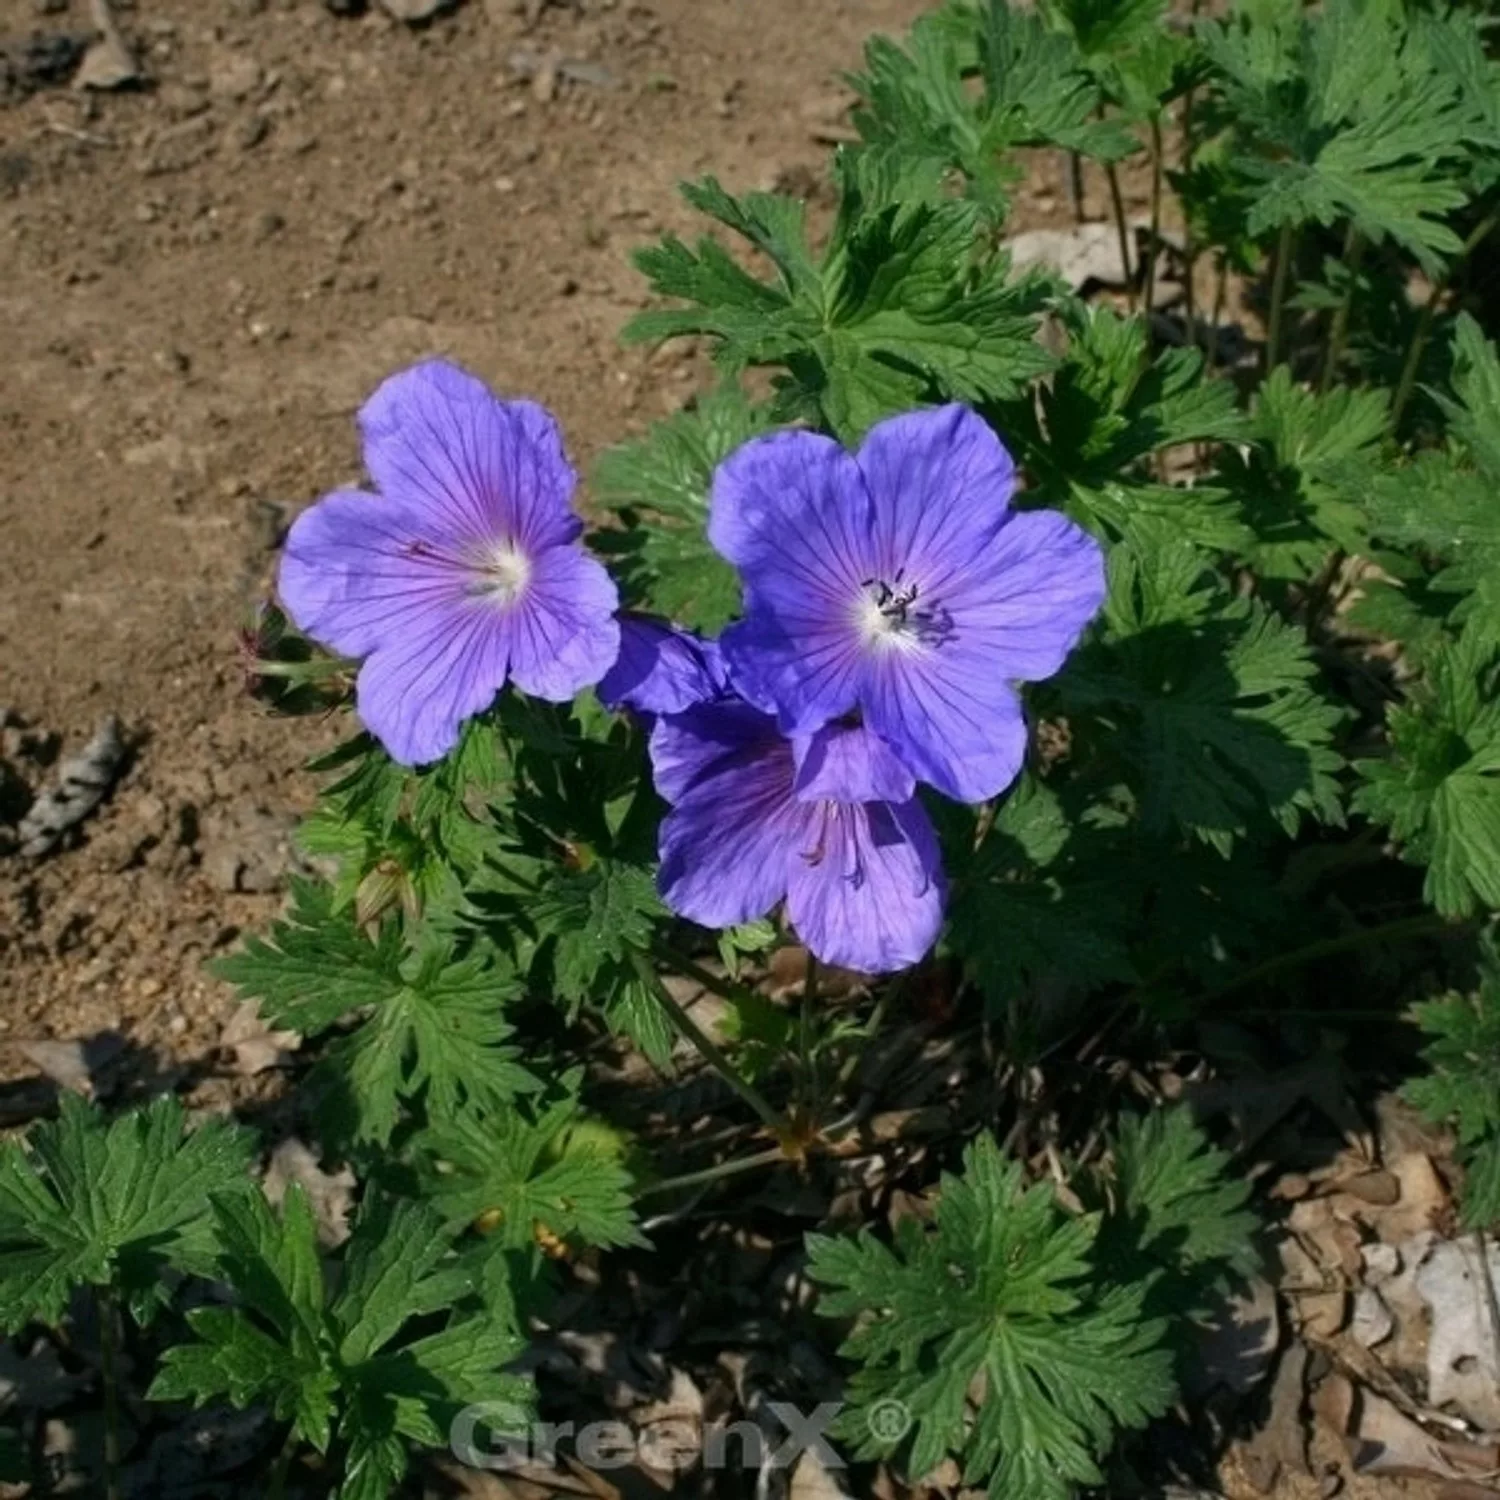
<point>1428,316</point>
<point>711,1052</point>
<point>1286,250</point>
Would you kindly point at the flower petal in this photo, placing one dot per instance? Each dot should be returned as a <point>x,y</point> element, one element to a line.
<point>661,668</point>
<point>791,512</point>
<point>951,717</point>
<point>414,693</point>
<point>940,482</point>
<point>848,763</point>
<point>481,469</point>
<point>1024,610</point>
<point>355,571</point>
<point>725,844</point>
<point>562,633</point>
<point>871,897</point>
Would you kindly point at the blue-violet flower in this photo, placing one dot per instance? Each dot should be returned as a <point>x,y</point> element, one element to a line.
<point>897,583</point>
<point>462,574</point>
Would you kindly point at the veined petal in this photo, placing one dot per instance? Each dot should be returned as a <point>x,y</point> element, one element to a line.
<point>940,482</point>
<point>803,669</point>
<point>1022,612</point>
<point>661,668</point>
<point>952,718</point>
<point>414,692</point>
<point>791,511</point>
<point>793,502</point>
<point>480,469</point>
<point>356,569</point>
<point>849,763</point>
<point>868,893</point>
<point>702,741</point>
<point>561,630</point>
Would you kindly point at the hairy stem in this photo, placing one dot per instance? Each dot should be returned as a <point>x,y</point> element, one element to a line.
<point>109,1376</point>
<point>1075,185</point>
<point>1157,150</point>
<point>805,1031</point>
<point>282,1466</point>
<point>716,1173</point>
<point>709,1050</point>
<point>1354,248</point>
<point>1400,931</point>
<point>1221,291</point>
<point>716,984</point>
<point>1286,249</point>
<point>1117,202</point>
<point>1429,315</point>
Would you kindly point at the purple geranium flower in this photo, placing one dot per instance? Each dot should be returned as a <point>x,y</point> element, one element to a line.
<point>898,583</point>
<point>661,668</point>
<point>462,574</point>
<point>862,880</point>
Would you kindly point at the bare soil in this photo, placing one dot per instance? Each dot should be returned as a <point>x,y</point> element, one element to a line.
<point>201,280</point>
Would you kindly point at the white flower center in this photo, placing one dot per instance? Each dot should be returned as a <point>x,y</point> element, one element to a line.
<point>503,573</point>
<point>888,616</point>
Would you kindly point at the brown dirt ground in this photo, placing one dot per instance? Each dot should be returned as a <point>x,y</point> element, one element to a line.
<point>200,281</point>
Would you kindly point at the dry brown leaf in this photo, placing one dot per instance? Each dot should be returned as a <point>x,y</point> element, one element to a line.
<point>812,1480</point>
<point>1380,1188</point>
<point>1279,1447</point>
<point>330,1194</point>
<point>1372,1323</point>
<point>256,1048</point>
<point>1332,1403</point>
<point>109,63</point>
<point>1462,1368</point>
<point>74,1063</point>
<point>1424,1200</point>
<point>1386,1441</point>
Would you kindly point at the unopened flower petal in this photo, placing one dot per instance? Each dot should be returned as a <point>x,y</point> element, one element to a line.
<point>661,668</point>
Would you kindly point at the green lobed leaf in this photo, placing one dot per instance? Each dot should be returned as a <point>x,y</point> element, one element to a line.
<point>517,1171</point>
<point>1205,704</point>
<point>1002,1298</point>
<point>907,304</point>
<point>1447,502</point>
<point>659,485</point>
<point>413,1333</point>
<point>1088,437</point>
<point>1439,789</point>
<point>916,100</point>
<point>595,918</point>
<point>1339,116</point>
<point>1039,902</point>
<point>1302,488</point>
<point>1463,1084</point>
<point>90,1201</point>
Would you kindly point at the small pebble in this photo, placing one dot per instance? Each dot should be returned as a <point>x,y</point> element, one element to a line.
<point>251,131</point>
